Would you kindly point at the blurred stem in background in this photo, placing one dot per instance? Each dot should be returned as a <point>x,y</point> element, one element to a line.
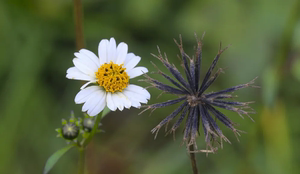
<point>78,14</point>
<point>274,117</point>
<point>78,18</point>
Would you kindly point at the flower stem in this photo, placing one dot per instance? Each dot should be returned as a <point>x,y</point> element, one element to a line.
<point>81,161</point>
<point>85,142</point>
<point>94,130</point>
<point>193,159</point>
<point>78,17</point>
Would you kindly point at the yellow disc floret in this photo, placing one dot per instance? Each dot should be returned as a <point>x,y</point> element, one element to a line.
<point>112,77</point>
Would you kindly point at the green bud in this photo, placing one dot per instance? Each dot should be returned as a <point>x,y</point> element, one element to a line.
<point>88,124</point>
<point>70,131</point>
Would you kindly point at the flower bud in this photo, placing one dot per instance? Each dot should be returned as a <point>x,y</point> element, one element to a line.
<point>88,124</point>
<point>70,131</point>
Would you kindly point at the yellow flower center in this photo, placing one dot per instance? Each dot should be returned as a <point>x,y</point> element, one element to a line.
<point>112,77</point>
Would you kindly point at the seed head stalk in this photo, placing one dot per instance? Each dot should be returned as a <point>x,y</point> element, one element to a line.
<point>193,159</point>
<point>78,17</point>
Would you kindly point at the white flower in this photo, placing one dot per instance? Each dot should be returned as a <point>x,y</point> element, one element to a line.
<point>110,73</point>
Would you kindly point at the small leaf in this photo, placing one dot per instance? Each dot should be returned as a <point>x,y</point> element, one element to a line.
<point>105,111</point>
<point>55,157</point>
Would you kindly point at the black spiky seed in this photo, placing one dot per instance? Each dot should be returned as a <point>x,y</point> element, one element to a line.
<point>198,107</point>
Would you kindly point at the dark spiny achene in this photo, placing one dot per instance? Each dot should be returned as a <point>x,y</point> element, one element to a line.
<point>197,106</point>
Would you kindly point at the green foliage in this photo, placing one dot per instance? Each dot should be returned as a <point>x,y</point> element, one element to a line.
<point>52,160</point>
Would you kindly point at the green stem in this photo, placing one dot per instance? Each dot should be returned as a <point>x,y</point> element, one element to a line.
<point>94,130</point>
<point>78,17</point>
<point>193,159</point>
<point>81,161</point>
<point>85,142</point>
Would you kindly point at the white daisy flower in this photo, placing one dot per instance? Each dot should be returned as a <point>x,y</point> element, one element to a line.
<point>110,73</point>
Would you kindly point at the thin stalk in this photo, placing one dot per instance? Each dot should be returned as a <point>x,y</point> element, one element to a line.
<point>193,159</point>
<point>78,17</point>
<point>81,161</point>
<point>94,130</point>
<point>85,142</point>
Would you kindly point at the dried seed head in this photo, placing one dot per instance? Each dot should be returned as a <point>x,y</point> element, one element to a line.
<point>198,108</point>
<point>192,100</point>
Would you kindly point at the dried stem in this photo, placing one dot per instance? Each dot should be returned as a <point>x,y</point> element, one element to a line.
<point>78,17</point>
<point>193,159</point>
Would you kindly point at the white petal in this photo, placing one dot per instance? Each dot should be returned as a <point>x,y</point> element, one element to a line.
<point>112,50</point>
<point>117,101</point>
<point>83,67</point>
<point>122,50</point>
<point>137,71</point>
<point>134,96</point>
<point>110,103</point>
<point>102,51</point>
<point>129,56</point>
<point>100,104</point>
<point>91,56</point>
<point>75,73</point>
<point>138,90</point>
<point>124,99</point>
<point>132,62</point>
<point>135,102</point>
<point>87,61</point>
<point>85,85</point>
<point>91,104</point>
<point>84,94</point>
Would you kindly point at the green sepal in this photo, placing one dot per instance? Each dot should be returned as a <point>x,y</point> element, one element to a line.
<point>58,130</point>
<point>72,114</point>
<point>55,157</point>
<point>72,120</point>
<point>63,121</point>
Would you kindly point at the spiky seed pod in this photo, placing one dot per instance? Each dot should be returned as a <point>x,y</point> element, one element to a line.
<point>197,107</point>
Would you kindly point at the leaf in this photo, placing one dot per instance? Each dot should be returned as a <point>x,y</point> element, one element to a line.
<point>55,157</point>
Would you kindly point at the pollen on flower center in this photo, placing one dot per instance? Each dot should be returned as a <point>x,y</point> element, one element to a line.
<point>112,77</point>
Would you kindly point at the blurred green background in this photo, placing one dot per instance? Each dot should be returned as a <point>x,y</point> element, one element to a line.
<point>37,42</point>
